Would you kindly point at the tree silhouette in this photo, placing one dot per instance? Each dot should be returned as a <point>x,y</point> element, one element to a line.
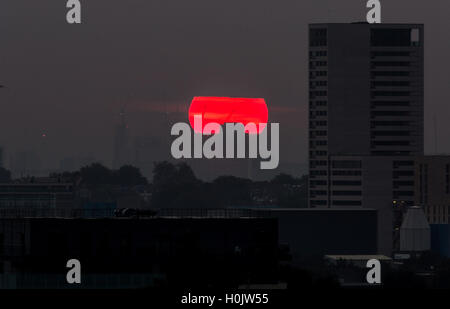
<point>284,179</point>
<point>289,191</point>
<point>96,174</point>
<point>175,186</point>
<point>129,175</point>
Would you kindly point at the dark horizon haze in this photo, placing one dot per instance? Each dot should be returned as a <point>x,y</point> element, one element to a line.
<point>65,84</point>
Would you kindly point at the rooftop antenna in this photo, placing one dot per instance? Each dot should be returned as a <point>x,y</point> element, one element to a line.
<point>122,115</point>
<point>123,107</point>
<point>435,135</point>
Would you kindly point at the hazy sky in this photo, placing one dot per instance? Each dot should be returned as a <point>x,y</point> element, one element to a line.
<point>69,81</point>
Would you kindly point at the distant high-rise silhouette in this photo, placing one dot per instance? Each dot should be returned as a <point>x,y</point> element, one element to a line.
<point>1,157</point>
<point>26,163</point>
<point>122,154</point>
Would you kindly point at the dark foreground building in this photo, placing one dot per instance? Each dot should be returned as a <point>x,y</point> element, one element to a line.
<point>130,252</point>
<point>316,232</point>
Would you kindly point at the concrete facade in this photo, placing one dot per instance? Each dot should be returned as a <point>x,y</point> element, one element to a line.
<point>365,117</point>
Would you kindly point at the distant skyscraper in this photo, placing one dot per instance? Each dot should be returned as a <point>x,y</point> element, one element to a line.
<point>366,90</point>
<point>2,164</point>
<point>122,154</point>
<point>26,163</point>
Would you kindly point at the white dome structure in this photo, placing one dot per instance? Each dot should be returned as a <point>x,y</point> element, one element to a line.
<point>415,231</point>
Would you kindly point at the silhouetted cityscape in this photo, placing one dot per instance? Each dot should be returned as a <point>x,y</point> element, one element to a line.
<point>367,193</point>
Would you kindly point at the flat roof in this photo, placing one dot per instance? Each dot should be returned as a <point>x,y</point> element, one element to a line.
<point>334,208</point>
<point>136,218</point>
<point>359,257</point>
<point>381,25</point>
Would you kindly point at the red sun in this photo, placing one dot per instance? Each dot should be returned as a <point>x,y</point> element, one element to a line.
<point>223,110</point>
